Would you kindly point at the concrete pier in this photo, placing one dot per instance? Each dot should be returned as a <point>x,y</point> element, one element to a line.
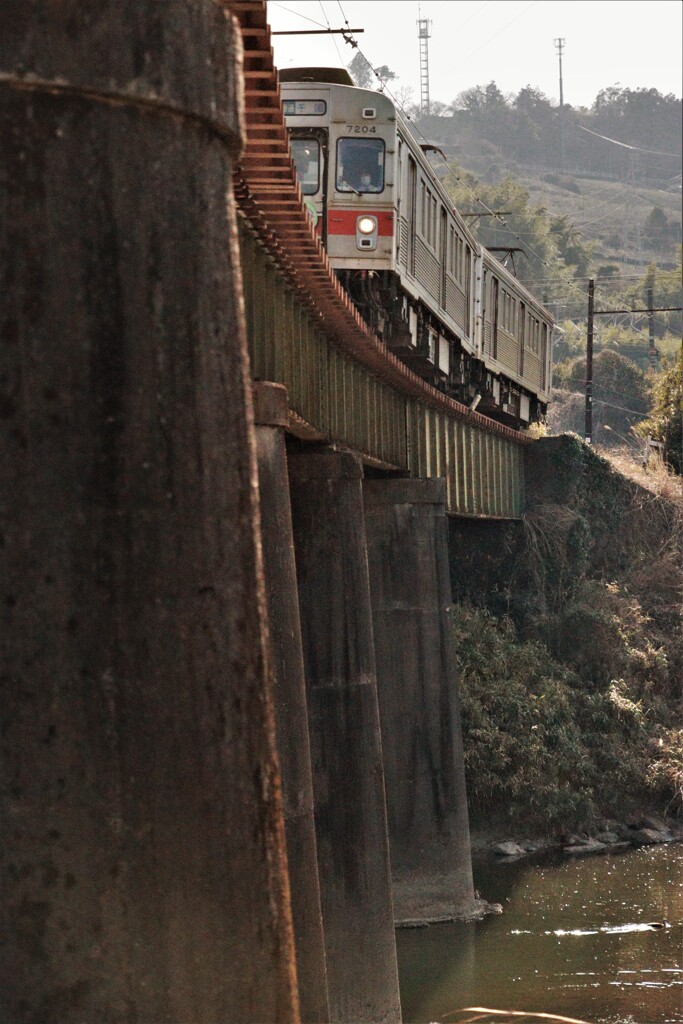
<point>332,572</point>
<point>291,716</point>
<point>406,530</point>
<point>142,848</point>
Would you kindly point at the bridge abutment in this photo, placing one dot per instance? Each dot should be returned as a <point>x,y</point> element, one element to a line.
<point>407,539</point>
<point>348,778</point>
<point>143,875</point>
<point>291,716</point>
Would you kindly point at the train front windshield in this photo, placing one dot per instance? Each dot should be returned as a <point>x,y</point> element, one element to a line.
<point>360,165</point>
<point>306,156</point>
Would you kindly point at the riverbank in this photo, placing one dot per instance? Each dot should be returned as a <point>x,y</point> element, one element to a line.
<point>607,835</point>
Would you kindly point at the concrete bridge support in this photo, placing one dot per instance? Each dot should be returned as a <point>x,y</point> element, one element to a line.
<point>142,843</point>
<point>291,716</point>
<point>406,529</point>
<point>348,783</point>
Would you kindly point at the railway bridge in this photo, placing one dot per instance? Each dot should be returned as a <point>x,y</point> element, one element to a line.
<point>232,754</point>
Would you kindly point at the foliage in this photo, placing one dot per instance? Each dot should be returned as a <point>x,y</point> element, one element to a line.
<point>537,744</point>
<point>365,76</point>
<point>552,246</point>
<point>529,127</point>
<point>666,291</point>
<point>572,695</point>
<point>621,394</point>
<point>665,773</point>
<point>665,422</point>
<point>628,339</point>
<point>571,246</point>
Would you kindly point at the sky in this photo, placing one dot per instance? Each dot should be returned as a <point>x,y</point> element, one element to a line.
<point>631,43</point>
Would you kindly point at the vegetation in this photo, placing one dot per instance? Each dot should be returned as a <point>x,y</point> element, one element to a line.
<point>571,659</point>
<point>553,248</point>
<point>367,77</point>
<point>665,421</point>
<point>528,129</point>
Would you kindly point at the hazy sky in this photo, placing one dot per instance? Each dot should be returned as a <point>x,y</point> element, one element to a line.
<point>635,44</point>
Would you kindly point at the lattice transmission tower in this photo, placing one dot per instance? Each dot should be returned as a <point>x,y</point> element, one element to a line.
<point>423,34</point>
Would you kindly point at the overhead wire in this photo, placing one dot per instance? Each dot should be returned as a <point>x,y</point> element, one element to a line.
<point>297,14</point>
<point>341,59</point>
<point>495,35</point>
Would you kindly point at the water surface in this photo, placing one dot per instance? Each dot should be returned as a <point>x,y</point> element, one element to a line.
<point>575,938</point>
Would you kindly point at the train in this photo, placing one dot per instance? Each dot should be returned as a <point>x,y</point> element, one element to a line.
<point>438,299</point>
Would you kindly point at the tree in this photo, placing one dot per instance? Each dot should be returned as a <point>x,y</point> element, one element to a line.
<point>665,422</point>
<point>621,394</point>
<point>529,223</point>
<point>572,249</point>
<point>365,76</point>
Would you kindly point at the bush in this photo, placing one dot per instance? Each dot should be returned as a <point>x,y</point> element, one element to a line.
<point>573,697</point>
<point>538,747</point>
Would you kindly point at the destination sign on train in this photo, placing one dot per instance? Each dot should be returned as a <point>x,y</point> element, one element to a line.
<point>302,107</point>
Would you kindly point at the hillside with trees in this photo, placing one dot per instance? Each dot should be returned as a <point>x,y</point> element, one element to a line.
<point>614,170</point>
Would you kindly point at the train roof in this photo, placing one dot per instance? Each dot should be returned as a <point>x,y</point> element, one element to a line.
<point>331,76</point>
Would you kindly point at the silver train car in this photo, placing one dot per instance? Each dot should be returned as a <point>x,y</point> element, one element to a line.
<point>421,280</point>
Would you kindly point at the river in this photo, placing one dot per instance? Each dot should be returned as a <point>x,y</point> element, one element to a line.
<point>575,938</point>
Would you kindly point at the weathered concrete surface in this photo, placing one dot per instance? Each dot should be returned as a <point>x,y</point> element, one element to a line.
<point>291,716</point>
<point>142,849</point>
<point>348,780</point>
<point>424,769</point>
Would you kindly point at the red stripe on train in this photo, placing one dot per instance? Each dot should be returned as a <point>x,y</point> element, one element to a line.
<point>343,222</point>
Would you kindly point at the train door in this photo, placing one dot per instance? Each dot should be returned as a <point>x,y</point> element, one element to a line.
<point>485,341</point>
<point>521,334</point>
<point>400,255</point>
<point>309,153</point>
<point>443,244</point>
<point>468,291</point>
<point>544,357</point>
<point>411,199</point>
<point>494,316</point>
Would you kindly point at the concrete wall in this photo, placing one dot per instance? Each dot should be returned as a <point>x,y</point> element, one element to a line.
<point>142,846</point>
<point>406,529</point>
<point>291,713</point>
<point>348,780</point>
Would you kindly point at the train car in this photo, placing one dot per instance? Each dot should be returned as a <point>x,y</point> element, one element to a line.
<point>410,263</point>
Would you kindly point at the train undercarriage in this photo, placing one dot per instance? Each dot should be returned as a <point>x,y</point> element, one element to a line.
<point>412,332</point>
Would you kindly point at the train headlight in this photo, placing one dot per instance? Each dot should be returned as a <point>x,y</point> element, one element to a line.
<point>366,232</point>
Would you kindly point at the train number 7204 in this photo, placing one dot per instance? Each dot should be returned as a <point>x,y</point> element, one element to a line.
<point>361,129</point>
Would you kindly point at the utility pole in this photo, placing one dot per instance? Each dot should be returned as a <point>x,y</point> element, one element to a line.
<point>651,329</point>
<point>588,431</point>
<point>423,35</point>
<point>559,46</point>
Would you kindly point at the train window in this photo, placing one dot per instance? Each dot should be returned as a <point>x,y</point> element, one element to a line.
<point>306,157</point>
<point>360,165</point>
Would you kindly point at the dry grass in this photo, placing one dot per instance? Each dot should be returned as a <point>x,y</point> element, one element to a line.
<point>655,476</point>
<point>482,1015</point>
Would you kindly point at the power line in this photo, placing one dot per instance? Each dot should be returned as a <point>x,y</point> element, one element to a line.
<point>297,13</point>
<point>625,145</point>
